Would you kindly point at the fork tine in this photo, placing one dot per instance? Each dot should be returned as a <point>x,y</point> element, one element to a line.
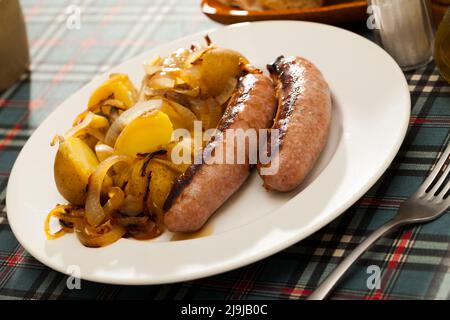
<point>440,181</point>
<point>437,168</point>
<point>445,190</point>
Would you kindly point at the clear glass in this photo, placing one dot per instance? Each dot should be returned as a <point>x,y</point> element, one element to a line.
<point>442,47</point>
<point>404,29</point>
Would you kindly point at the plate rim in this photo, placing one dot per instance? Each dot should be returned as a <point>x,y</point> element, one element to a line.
<point>261,254</point>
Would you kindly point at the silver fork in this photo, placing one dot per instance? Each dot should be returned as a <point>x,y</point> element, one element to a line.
<point>426,204</point>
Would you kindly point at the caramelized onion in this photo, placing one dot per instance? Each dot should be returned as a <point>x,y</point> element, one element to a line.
<point>114,103</point>
<point>145,231</point>
<point>126,221</point>
<point>104,235</point>
<point>67,215</point>
<point>194,92</point>
<point>95,214</point>
<point>92,124</point>
<point>103,151</point>
<point>152,69</point>
<point>191,76</point>
<point>161,82</point>
<point>227,92</point>
<point>116,198</point>
<point>154,61</point>
<point>186,114</point>
<point>176,59</point>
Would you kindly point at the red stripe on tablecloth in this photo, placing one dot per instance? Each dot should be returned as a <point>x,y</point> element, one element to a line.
<point>296,291</point>
<point>399,250</point>
<point>392,264</point>
<point>85,44</point>
<point>62,71</point>
<point>10,136</point>
<point>244,285</point>
<point>378,295</point>
<point>32,12</point>
<point>14,103</point>
<point>15,259</point>
<point>32,104</point>
<point>45,42</point>
<point>108,18</point>
<point>434,120</point>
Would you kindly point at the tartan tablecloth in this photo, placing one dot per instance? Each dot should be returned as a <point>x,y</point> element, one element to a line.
<point>415,263</point>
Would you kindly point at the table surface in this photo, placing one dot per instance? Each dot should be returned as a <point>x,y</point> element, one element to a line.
<point>414,263</point>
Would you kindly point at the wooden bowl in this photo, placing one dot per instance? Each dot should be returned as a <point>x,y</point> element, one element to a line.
<point>332,12</point>
<point>438,12</point>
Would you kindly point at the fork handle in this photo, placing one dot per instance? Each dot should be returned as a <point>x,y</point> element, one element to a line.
<point>334,277</point>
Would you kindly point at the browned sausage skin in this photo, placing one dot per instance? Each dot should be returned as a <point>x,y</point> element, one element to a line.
<point>203,188</point>
<point>303,120</point>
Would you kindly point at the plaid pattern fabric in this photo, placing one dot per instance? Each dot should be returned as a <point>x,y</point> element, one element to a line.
<point>415,263</point>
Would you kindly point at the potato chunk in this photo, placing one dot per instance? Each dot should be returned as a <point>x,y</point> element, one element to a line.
<point>119,87</point>
<point>217,67</point>
<point>74,163</point>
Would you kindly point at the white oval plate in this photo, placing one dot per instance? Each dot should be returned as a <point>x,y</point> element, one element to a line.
<point>371,106</point>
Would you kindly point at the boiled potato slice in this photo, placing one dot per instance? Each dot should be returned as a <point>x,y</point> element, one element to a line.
<point>144,134</point>
<point>217,67</point>
<point>119,86</point>
<point>74,163</point>
<point>125,80</point>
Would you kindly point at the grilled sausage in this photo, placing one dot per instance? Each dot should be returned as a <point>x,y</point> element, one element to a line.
<point>203,188</point>
<point>303,120</point>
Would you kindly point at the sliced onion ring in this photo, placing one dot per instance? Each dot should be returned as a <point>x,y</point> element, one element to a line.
<point>227,91</point>
<point>67,213</point>
<point>111,233</point>
<point>92,124</point>
<point>103,151</point>
<point>95,214</point>
<point>116,198</point>
<point>161,82</point>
